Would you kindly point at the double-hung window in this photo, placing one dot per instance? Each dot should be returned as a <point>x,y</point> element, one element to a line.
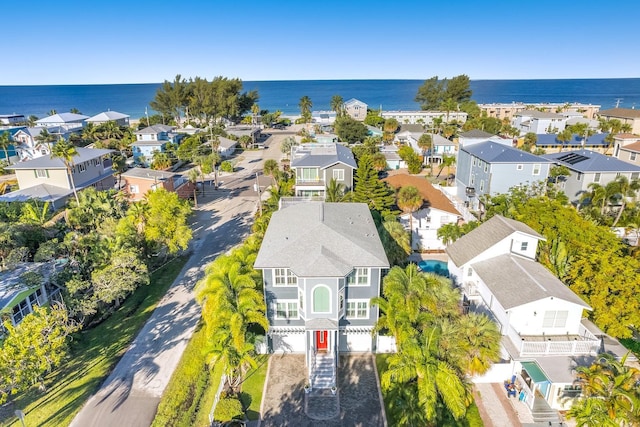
<point>284,277</point>
<point>358,277</point>
<point>286,310</point>
<point>357,309</point>
<point>338,174</point>
<point>555,319</point>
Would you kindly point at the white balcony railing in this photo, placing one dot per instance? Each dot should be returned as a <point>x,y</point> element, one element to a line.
<point>583,343</point>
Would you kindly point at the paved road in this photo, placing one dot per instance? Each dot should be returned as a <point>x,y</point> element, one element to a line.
<point>130,395</point>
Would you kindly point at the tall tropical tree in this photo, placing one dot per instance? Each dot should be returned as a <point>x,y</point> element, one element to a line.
<point>272,169</point>
<point>426,144</point>
<point>564,137</point>
<point>334,191</point>
<point>5,141</point>
<point>337,104</point>
<point>624,189</point>
<point>194,175</point>
<point>305,105</point>
<point>369,189</point>
<point>409,200</point>
<point>390,127</point>
<point>65,151</point>
<point>447,161</point>
<point>610,394</point>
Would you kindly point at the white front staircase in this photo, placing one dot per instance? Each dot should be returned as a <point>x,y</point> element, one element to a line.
<point>323,374</point>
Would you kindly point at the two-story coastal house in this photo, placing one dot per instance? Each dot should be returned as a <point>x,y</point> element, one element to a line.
<point>489,168</point>
<point>356,109</point>
<point>69,122</point>
<point>436,211</point>
<point>137,182</point>
<point>153,139</point>
<point>12,119</point>
<point>539,317</point>
<point>46,178</point>
<point>627,148</point>
<point>538,122</point>
<point>628,116</point>
<point>321,265</point>
<point>425,118</point>
<point>588,167</point>
<point>315,165</point>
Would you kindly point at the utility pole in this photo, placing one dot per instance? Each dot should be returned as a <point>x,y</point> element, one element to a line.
<point>257,188</point>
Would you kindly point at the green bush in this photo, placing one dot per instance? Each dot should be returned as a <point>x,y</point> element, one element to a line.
<point>229,409</point>
<point>226,166</point>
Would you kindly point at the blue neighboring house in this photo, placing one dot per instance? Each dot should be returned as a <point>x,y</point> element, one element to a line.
<point>550,143</point>
<point>588,167</point>
<point>151,139</point>
<point>490,168</point>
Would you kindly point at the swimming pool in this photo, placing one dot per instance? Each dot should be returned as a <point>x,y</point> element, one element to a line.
<point>434,266</point>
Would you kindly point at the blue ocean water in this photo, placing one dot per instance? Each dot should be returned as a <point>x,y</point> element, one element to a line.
<point>132,99</point>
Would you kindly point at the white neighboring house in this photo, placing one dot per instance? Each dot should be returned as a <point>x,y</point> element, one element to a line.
<point>226,146</point>
<point>436,211</point>
<point>27,145</point>
<point>390,152</point>
<point>476,136</point>
<point>109,116</point>
<point>543,332</point>
<point>66,121</point>
<point>11,119</point>
<point>424,118</point>
<point>538,122</point>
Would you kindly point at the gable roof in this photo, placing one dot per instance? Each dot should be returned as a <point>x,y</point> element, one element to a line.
<point>318,239</point>
<point>436,199</point>
<point>539,114</point>
<point>353,101</point>
<point>484,236</point>
<point>63,118</point>
<point>590,161</point>
<point>149,174</point>
<point>544,140</point>
<point>46,162</point>
<point>534,282</point>
<point>226,143</point>
<point>44,192</point>
<point>493,152</point>
<point>476,134</point>
<point>106,116</point>
<point>322,155</point>
<point>631,147</point>
<point>154,130</point>
<point>624,113</point>
<point>412,128</point>
<point>439,140</point>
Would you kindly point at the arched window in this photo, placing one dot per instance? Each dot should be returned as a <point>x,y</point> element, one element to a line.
<point>321,299</point>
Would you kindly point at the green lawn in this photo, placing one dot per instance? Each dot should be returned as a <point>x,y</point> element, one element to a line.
<point>93,355</point>
<point>253,385</point>
<point>472,418</point>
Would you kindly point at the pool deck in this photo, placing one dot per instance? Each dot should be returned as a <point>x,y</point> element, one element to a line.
<point>417,257</point>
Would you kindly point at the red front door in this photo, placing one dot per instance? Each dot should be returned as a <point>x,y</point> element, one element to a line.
<point>321,341</point>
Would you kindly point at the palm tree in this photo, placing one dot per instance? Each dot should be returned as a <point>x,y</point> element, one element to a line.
<point>230,300</point>
<point>33,213</point>
<point>160,161</point>
<point>193,176</point>
<point>31,120</point>
<point>390,127</point>
<point>378,162</point>
<point>272,169</point>
<point>119,166</point>
<point>46,137</point>
<point>89,133</point>
<point>610,393</point>
<point>409,200</point>
<point>5,141</point>
<point>417,361</point>
<point>624,188</point>
<point>564,137</point>
<point>305,105</point>
<point>425,143</point>
<point>65,151</point>
<point>337,104</point>
<point>334,191</point>
<point>447,162</point>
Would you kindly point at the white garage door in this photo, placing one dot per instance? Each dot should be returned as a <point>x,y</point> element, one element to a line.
<point>288,343</point>
<point>355,342</point>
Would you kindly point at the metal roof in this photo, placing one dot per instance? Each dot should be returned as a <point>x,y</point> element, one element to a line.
<point>493,152</point>
<point>322,155</point>
<point>590,161</point>
<point>46,162</point>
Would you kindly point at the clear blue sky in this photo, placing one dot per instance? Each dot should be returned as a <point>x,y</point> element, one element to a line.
<point>115,41</point>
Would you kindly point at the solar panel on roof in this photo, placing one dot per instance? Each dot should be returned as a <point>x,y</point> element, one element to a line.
<point>572,158</point>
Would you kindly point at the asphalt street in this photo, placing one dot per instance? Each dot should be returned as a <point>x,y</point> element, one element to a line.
<point>130,395</point>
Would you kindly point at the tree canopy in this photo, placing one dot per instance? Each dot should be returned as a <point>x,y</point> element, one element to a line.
<point>350,130</point>
<point>434,92</point>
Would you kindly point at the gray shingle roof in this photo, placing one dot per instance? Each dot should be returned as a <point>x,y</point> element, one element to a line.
<point>46,162</point>
<point>44,192</point>
<point>317,239</point>
<point>590,161</point>
<point>492,152</point>
<point>106,116</point>
<point>486,235</point>
<point>148,174</point>
<point>227,143</point>
<point>154,130</point>
<point>515,281</point>
<point>477,134</point>
<point>322,155</point>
